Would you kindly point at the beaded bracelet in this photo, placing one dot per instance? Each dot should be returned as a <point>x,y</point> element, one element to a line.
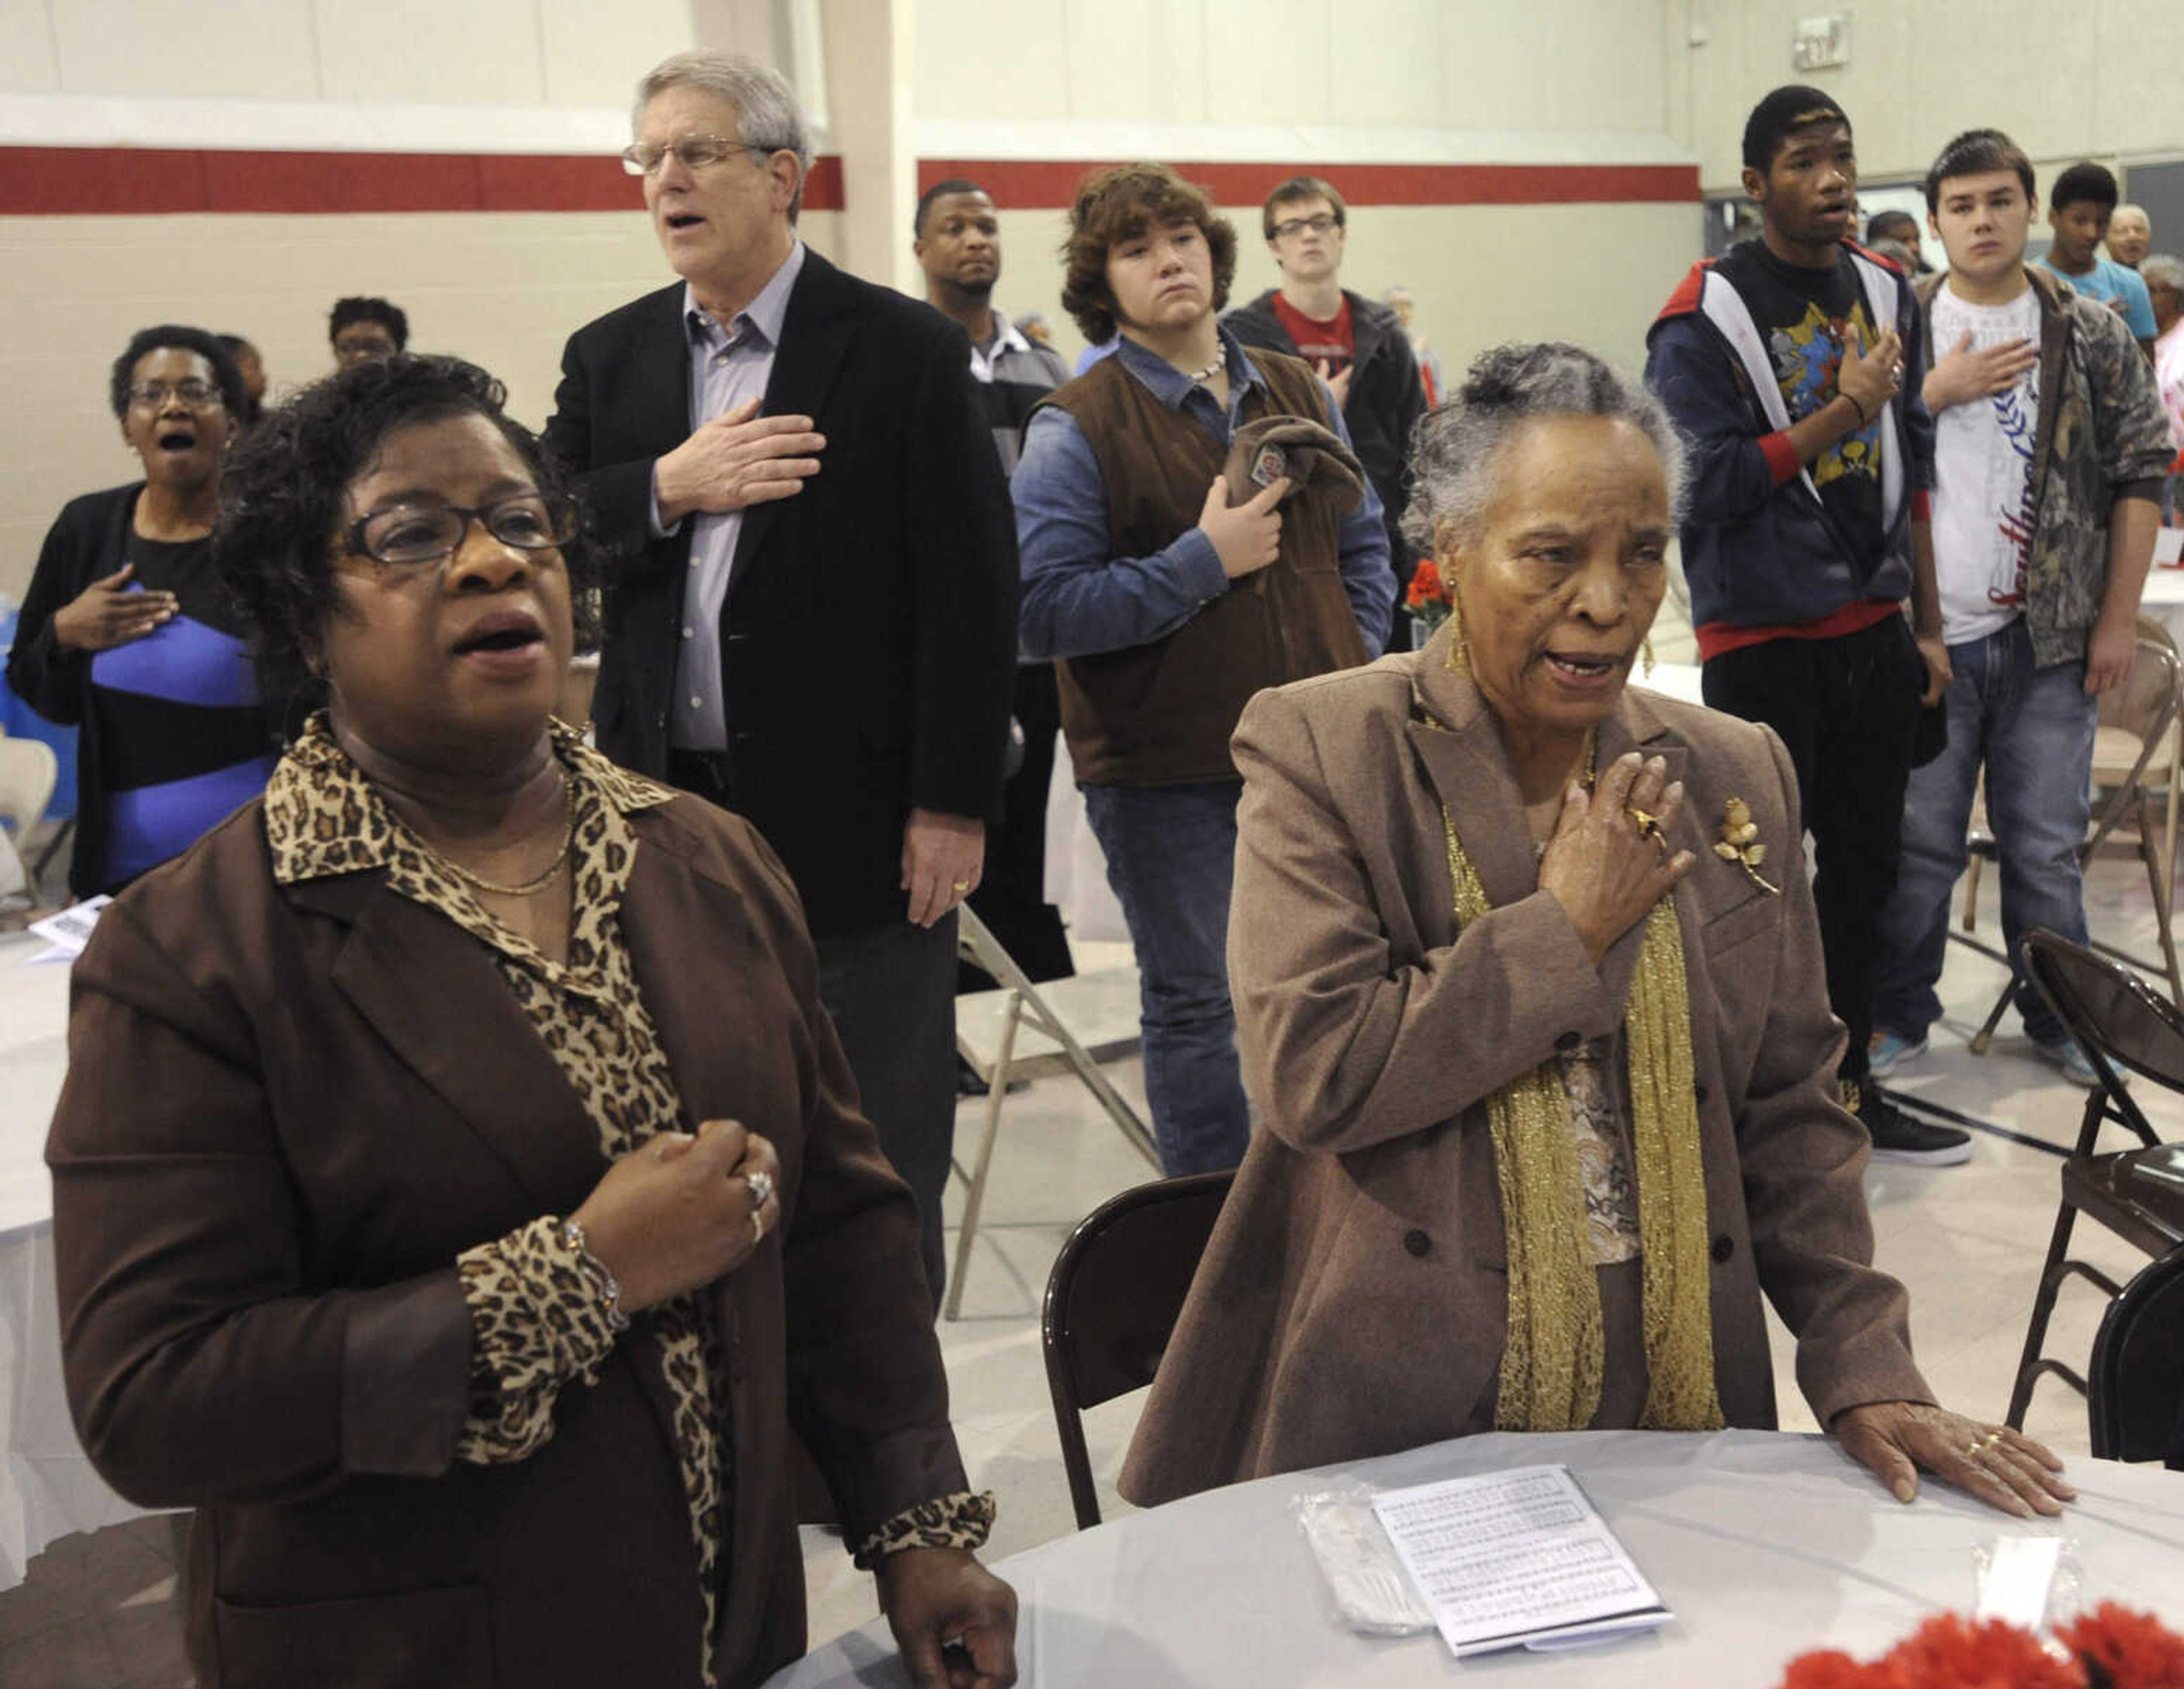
<point>602,1281</point>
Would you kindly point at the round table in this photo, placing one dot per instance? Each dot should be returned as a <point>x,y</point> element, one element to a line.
<point>47,1488</point>
<point>1763,1545</point>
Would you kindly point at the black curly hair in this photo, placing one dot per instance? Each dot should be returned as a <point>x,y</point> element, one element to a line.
<point>369,307</point>
<point>206,345</point>
<point>282,498</point>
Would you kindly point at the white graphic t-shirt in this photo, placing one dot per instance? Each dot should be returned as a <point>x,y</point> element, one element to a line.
<point>1982,504</point>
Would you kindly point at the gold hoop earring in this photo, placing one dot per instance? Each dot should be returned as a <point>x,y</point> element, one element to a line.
<point>1459,644</point>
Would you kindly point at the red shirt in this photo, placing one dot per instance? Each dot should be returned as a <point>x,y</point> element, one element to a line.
<point>1334,340</point>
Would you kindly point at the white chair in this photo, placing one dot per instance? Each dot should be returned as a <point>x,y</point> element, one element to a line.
<point>2138,767</point>
<point>28,770</point>
<point>1021,1031</point>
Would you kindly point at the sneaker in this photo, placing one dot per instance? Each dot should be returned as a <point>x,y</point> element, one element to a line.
<point>1888,1051</point>
<point>1900,1137</point>
<point>2063,1053</point>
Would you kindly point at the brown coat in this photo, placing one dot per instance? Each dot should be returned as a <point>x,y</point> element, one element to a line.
<point>289,1108</point>
<point>1352,1300</point>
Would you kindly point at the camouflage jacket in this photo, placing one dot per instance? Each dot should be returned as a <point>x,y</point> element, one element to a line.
<point>2101,435</point>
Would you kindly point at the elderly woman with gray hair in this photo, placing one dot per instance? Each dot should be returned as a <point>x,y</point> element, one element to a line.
<point>1530,1000</point>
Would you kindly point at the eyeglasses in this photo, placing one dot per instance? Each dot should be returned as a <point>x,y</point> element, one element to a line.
<point>409,536</point>
<point>1290,228</point>
<point>692,152</point>
<point>190,391</point>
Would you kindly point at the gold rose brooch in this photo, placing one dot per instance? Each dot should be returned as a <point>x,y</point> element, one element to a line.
<point>1740,843</point>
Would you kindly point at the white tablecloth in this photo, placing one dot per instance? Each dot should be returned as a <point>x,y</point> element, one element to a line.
<point>46,1487</point>
<point>1764,1546</point>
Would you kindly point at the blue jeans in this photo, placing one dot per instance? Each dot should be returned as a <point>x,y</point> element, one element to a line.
<point>2033,728</point>
<point>1172,859</point>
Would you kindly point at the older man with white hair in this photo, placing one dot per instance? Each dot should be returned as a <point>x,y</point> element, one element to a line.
<point>2131,235</point>
<point>813,623</point>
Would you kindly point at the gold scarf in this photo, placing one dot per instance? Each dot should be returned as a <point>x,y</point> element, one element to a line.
<point>1553,1355</point>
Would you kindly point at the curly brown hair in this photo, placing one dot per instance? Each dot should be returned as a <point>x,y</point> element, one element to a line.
<point>1117,205</point>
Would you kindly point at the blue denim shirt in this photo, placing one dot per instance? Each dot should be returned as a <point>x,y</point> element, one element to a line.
<point>1079,600</point>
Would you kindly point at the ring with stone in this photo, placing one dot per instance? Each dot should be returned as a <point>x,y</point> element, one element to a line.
<point>1649,826</point>
<point>761,1187</point>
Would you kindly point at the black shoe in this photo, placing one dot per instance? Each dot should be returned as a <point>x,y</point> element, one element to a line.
<point>1900,1137</point>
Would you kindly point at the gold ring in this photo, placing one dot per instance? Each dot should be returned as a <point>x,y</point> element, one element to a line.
<point>959,887</point>
<point>1974,1449</point>
<point>1649,826</point>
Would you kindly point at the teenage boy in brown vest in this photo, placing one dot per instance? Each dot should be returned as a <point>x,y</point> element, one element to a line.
<point>1166,605</point>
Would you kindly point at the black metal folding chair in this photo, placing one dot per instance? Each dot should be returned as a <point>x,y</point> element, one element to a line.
<point>2135,1394</point>
<point>1111,1303</point>
<point>2121,1023</point>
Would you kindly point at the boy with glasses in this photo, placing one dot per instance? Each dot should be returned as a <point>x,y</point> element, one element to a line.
<point>1358,346</point>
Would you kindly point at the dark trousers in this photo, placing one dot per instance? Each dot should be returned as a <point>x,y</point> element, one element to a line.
<point>1847,710</point>
<point>1011,894</point>
<point>890,991</point>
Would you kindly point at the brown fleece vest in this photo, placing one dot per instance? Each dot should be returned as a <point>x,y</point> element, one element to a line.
<point>1159,714</point>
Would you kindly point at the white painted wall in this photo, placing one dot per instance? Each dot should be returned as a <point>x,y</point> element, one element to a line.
<point>1469,64</point>
<point>2088,79</point>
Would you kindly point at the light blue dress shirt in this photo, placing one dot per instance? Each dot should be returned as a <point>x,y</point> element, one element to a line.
<point>726,367</point>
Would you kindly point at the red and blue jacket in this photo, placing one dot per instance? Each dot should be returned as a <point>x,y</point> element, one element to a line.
<point>1763,557</point>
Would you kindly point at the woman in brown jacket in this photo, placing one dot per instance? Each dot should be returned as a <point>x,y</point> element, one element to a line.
<point>1533,1023</point>
<point>457,1189</point>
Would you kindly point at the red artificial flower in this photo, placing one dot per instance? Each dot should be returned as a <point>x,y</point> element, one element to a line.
<point>1426,585</point>
<point>1833,1669</point>
<point>2126,1650</point>
<point>1949,1653</point>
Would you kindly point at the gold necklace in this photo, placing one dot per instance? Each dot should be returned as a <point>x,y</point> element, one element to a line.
<point>1591,776</point>
<point>529,887</point>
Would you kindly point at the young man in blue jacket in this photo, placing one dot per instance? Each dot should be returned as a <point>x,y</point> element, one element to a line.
<point>1794,365</point>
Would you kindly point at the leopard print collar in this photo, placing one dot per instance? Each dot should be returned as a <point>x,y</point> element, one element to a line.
<point>324,817</point>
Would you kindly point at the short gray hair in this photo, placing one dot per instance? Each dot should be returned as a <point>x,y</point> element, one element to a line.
<point>2164,267</point>
<point>768,119</point>
<point>1455,450</point>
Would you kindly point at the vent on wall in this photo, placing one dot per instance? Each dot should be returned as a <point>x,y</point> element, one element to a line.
<point>1821,43</point>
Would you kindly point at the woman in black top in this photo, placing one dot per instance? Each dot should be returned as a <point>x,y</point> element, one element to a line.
<point>125,634</point>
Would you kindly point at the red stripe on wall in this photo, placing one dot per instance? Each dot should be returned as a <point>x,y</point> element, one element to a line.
<point>80,181</point>
<point>1035,184</point>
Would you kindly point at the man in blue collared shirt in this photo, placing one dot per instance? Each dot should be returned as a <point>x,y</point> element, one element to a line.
<point>1166,605</point>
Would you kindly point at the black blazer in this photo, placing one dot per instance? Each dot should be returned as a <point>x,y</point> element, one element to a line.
<point>870,626</point>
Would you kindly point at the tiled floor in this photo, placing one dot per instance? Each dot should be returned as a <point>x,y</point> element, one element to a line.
<point>1968,1240</point>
